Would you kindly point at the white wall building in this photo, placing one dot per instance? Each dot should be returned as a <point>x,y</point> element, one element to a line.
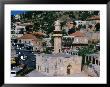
<point>18,30</point>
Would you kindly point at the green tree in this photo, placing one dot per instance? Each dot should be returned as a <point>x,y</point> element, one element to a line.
<point>44,20</point>
<point>84,51</point>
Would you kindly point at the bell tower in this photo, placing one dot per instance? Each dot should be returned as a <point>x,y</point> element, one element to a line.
<point>57,37</point>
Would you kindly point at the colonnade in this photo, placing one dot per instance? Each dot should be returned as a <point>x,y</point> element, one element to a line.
<point>93,59</point>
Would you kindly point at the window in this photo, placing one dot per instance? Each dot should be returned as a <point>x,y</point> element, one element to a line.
<point>45,59</point>
<point>59,50</point>
<point>13,72</point>
<point>77,40</point>
<point>93,61</point>
<point>87,58</point>
<point>19,41</point>
<point>56,66</point>
<point>97,62</point>
<point>38,68</point>
<point>60,60</point>
<point>12,32</point>
<point>13,36</point>
<point>90,57</point>
<point>47,70</point>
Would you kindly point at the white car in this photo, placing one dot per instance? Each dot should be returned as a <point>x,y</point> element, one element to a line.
<point>13,73</point>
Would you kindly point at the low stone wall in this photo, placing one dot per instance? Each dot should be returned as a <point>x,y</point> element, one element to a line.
<point>89,71</point>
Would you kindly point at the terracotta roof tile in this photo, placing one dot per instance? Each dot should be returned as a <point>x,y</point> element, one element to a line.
<point>28,36</point>
<point>78,34</point>
<point>94,18</point>
<point>38,33</point>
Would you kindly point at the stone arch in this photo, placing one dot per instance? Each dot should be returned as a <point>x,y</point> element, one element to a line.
<point>19,41</point>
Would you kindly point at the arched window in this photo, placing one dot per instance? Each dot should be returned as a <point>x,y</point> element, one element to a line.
<point>29,42</point>
<point>47,70</point>
<point>97,62</point>
<point>93,60</point>
<point>59,50</point>
<point>89,58</point>
<point>38,68</point>
<point>19,41</point>
<point>60,60</point>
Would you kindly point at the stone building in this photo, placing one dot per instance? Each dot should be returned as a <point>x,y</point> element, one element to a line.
<point>17,30</point>
<point>30,39</point>
<point>80,38</point>
<point>94,19</point>
<point>59,63</point>
<point>74,41</point>
<point>94,32</point>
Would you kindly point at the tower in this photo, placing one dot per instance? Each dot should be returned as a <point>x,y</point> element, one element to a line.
<point>57,37</point>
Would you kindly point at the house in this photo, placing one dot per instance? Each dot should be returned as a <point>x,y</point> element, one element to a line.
<point>17,30</point>
<point>79,38</point>
<point>94,19</point>
<point>30,39</point>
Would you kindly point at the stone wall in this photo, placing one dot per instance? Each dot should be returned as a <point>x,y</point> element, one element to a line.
<point>58,66</point>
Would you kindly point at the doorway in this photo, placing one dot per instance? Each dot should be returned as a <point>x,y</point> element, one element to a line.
<point>69,69</point>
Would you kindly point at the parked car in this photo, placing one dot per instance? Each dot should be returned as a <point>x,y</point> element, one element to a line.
<point>13,73</point>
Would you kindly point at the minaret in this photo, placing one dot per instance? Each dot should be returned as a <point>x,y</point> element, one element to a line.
<point>57,37</point>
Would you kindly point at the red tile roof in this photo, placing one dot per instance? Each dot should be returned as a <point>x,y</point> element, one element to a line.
<point>28,36</point>
<point>78,34</point>
<point>39,33</point>
<point>94,18</point>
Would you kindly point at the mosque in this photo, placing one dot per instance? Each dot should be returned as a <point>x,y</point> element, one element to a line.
<point>58,63</point>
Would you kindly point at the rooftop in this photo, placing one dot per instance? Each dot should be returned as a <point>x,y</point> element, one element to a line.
<point>39,33</point>
<point>57,55</point>
<point>28,36</point>
<point>94,18</point>
<point>78,34</point>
